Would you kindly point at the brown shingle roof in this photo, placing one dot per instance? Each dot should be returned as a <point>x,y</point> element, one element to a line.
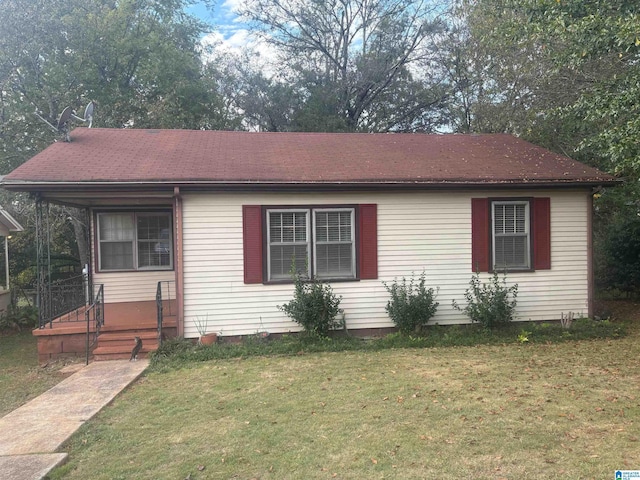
<point>200,157</point>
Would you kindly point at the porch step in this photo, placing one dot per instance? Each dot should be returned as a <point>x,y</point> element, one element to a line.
<point>118,345</point>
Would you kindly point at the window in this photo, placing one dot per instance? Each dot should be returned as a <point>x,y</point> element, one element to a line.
<point>536,220</point>
<point>135,241</point>
<point>510,235</point>
<point>317,242</point>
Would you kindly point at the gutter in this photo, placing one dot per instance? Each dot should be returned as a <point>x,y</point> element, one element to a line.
<point>20,185</point>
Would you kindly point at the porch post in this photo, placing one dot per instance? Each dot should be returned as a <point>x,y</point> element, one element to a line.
<point>6,261</point>
<point>43,262</point>
<point>177,245</point>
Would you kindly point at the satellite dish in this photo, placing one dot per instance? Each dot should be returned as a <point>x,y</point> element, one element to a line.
<point>65,119</point>
<point>63,123</point>
<point>88,113</point>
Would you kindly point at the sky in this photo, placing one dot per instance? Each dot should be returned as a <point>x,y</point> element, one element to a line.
<point>231,35</point>
<point>228,29</point>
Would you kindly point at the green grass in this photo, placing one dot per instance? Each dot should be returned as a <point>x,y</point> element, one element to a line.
<point>500,410</point>
<point>21,378</point>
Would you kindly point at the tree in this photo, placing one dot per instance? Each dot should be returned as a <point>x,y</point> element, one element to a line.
<point>566,75</point>
<point>356,64</point>
<point>139,60</point>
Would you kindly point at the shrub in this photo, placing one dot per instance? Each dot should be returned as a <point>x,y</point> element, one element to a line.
<point>17,318</point>
<point>314,306</point>
<point>411,305</point>
<point>173,346</point>
<point>488,303</point>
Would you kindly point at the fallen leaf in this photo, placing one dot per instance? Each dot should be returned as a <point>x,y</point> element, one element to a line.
<point>374,461</point>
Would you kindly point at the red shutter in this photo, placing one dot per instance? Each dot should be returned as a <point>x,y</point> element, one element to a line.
<point>252,243</point>
<point>480,235</point>
<point>368,242</point>
<point>541,233</point>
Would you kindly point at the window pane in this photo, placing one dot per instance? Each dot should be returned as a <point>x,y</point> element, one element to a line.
<point>287,227</point>
<point>322,228</point>
<point>283,257</point>
<point>334,260</point>
<point>154,240</point>
<point>116,255</point>
<point>511,252</point>
<point>510,218</point>
<point>116,226</point>
<point>520,218</point>
<point>153,254</point>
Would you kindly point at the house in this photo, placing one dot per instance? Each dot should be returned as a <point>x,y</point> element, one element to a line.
<point>8,225</point>
<point>221,215</point>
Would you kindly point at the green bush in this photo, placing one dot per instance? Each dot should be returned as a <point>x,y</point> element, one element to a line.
<point>314,306</point>
<point>488,303</point>
<point>411,305</point>
<point>172,347</point>
<point>18,318</point>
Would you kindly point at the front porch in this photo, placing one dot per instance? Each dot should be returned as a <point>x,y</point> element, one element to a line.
<point>67,335</point>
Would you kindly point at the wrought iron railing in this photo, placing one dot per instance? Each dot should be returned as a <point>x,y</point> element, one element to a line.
<point>94,315</point>
<point>164,302</point>
<point>64,301</point>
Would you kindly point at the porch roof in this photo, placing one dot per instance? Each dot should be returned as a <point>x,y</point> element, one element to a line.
<point>8,224</point>
<point>100,158</point>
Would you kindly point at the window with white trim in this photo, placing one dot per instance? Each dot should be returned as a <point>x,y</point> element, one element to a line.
<point>317,242</point>
<point>135,241</point>
<point>511,240</point>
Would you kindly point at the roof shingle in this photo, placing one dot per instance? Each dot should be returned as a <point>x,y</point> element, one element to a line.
<point>190,156</point>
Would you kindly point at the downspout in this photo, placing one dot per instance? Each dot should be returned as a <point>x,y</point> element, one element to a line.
<point>6,261</point>
<point>178,267</point>
<point>590,276</point>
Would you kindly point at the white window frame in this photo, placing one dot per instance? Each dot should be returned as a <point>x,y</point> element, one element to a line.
<point>269,243</point>
<point>311,241</point>
<point>134,242</point>
<point>328,242</point>
<point>526,234</point>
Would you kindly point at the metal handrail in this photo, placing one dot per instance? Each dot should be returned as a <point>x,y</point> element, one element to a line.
<point>160,306</point>
<point>94,312</point>
<point>66,297</point>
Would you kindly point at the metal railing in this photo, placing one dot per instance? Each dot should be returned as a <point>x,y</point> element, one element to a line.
<point>164,304</point>
<point>94,314</point>
<point>65,301</point>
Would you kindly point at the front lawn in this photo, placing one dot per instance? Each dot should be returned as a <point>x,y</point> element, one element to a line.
<point>21,379</point>
<point>517,411</point>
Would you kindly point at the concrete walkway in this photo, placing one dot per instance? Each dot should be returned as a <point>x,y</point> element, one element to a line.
<point>30,435</point>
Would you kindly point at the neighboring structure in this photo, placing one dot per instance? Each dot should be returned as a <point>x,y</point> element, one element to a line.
<point>223,213</point>
<point>8,225</point>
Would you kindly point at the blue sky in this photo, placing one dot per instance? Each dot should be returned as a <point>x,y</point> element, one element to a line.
<point>222,16</point>
<point>229,33</point>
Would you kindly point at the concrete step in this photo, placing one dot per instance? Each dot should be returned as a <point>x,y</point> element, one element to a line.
<point>118,345</point>
<point>118,353</point>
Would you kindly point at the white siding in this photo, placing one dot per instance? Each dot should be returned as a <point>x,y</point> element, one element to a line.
<point>416,232</point>
<point>133,286</point>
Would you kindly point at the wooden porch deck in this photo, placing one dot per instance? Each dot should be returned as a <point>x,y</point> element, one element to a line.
<point>122,322</point>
